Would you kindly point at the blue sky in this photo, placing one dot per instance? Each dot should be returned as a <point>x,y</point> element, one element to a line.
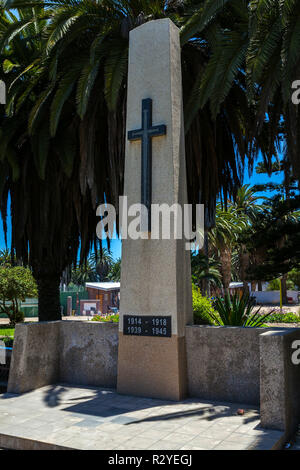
<point>116,244</point>
<point>262,178</point>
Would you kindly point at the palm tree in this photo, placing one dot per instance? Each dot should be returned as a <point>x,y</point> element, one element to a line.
<point>246,201</point>
<point>83,273</point>
<point>205,269</point>
<point>97,34</point>
<point>64,130</point>
<point>115,271</point>
<point>51,216</point>
<point>102,261</point>
<point>272,240</point>
<point>273,64</point>
<point>245,204</point>
<point>224,237</point>
<point>5,258</point>
<point>255,43</point>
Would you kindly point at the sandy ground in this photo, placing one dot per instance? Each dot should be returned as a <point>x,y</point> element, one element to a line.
<point>265,309</point>
<point>285,308</point>
<point>283,325</point>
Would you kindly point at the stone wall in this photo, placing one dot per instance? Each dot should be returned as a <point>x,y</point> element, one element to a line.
<point>280,380</point>
<point>35,357</point>
<point>83,353</point>
<point>243,365</point>
<point>89,353</point>
<point>247,365</point>
<point>223,363</point>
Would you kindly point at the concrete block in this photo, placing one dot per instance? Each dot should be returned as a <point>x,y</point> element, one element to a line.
<point>89,353</point>
<point>279,381</point>
<point>84,353</point>
<point>223,363</point>
<point>35,358</point>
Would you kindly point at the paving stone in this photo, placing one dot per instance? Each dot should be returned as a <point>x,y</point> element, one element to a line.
<point>154,434</point>
<point>204,442</point>
<point>93,418</point>
<point>123,420</point>
<point>213,433</point>
<point>239,437</point>
<point>89,423</point>
<point>164,445</point>
<point>230,446</point>
<point>140,443</point>
<point>179,438</point>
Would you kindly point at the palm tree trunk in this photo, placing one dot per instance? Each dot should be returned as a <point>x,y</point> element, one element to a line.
<point>244,261</point>
<point>253,286</point>
<point>284,289</point>
<point>49,298</point>
<point>206,282</point>
<point>225,259</point>
<point>259,283</point>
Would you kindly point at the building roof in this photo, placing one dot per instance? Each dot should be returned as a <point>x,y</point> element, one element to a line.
<point>235,285</point>
<point>103,285</point>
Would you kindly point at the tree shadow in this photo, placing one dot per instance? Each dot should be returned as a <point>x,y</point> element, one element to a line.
<point>108,405</point>
<point>208,413</point>
<point>53,396</point>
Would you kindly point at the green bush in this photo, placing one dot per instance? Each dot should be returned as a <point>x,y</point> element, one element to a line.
<point>6,331</point>
<point>294,276</point>
<point>284,318</point>
<point>17,317</point>
<point>8,341</point>
<point>202,308</point>
<point>113,318</point>
<point>238,311</point>
<point>275,285</point>
<point>16,283</point>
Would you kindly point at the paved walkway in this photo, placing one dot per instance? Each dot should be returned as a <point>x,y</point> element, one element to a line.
<point>61,416</point>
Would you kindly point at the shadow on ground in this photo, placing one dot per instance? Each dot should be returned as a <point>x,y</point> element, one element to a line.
<point>107,404</point>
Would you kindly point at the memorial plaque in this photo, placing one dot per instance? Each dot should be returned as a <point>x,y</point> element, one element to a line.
<point>142,325</point>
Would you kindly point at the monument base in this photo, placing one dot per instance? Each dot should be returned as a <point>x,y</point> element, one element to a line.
<point>152,367</point>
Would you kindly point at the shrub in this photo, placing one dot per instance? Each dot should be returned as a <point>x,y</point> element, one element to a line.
<point>113,318</point>
<point>202,308</point>
<point>16,283</point>
<point>17,317</point>
<point>275,285</point>
<point>8,341</point>
<point>237,311</point>
<point>284,318</point>
<point>294,276</point>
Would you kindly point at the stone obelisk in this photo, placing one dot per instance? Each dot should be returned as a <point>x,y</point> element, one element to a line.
<point>155,274</point>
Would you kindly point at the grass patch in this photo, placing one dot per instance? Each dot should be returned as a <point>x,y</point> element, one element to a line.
<point>7,335</point>
<point>284,318</point>
<point>108,318</point>
<point>5,331</point>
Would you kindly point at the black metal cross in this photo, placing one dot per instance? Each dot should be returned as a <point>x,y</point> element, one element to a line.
<point>146,133</point>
